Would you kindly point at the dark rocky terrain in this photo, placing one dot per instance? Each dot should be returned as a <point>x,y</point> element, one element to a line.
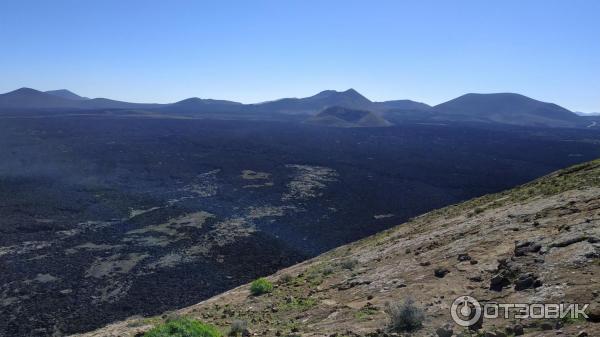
<point>537,243</point>
<point>105,216</point>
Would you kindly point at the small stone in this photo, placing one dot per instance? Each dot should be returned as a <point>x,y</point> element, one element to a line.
<point>593,313</point>
<point>546,326</point>
<point>444,331</point>
<point>498,282</point>
<point>582,334</point>
<point>476,278</point>
<point>425,263</point>
<point>518,330</point>
<point>440,272</point>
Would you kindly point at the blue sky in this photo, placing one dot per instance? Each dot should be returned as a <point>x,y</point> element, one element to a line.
<point>251,51</point>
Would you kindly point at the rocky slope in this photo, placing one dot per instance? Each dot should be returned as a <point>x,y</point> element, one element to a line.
<point>537,243</point>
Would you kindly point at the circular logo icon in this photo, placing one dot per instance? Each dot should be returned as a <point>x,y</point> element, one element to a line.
<point>465,311</point>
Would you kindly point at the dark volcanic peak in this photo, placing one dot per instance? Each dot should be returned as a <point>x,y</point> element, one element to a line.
<point>338,116</point>
<point>349,95</point>
<point>346,114</point>
<point>199,105</point>
<point>402,104</point>
<point>507,108</point>
<point>27,98</point>
<point>64,93</point>
<point>313,104</point>
<point>201,101</point>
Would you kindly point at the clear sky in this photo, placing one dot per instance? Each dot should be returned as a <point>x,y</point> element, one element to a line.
<point>251,51</point>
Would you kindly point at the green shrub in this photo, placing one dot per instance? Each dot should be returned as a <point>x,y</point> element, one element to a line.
<point>261,286</point>
<point>405,316</point>
<point>183,327</point>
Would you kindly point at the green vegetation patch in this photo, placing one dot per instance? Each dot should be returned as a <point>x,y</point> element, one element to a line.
<point>366,312</point>
<point>183,327</point>
<point>261,286</point>
<point>299,304</point>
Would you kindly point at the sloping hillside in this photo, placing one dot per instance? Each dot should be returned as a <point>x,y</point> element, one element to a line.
<point>64,93</point>
<point>537,243</point>
<point>316,103</point>
<point>338,116</point>
<point>27,99</point>
<point>506,108</point>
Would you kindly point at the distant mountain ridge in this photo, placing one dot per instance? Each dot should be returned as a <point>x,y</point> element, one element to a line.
<point>64,93</point>
<point>27,98</point>
<point>507,108</point>
<point>498,108</point>
<point>313,104</point>
<point>403,104</point>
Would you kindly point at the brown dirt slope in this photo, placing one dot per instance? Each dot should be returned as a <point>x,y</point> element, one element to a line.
<point>537,243</point>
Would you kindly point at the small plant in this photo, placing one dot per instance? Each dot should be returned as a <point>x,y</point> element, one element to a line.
<point>349,264</point>
<point>327,270</point>
<point>405,316</point>
<point>261,286</point>
<point>183,327</point>
<point>365,312</point>
<point>238,327</point>
<point>572,320</point>
<point>286,278</point>
<point>299,304</point>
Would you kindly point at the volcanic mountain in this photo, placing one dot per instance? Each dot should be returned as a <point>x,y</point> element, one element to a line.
<point>506,108</point>
<point>64,93</point>
<point>499,108</point>
<point>31,99</point>
<point>338,116</point>
<point>313,104</point>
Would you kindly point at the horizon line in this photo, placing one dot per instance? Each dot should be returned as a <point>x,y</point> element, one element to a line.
<point>296,97</point>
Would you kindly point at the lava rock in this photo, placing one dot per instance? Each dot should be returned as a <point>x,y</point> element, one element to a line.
<point>444,331</point>
<point>523,248</point>
<point>546,326</point>
<point>518,330</point>
<point>499,281</point>
<point>440,272</point>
